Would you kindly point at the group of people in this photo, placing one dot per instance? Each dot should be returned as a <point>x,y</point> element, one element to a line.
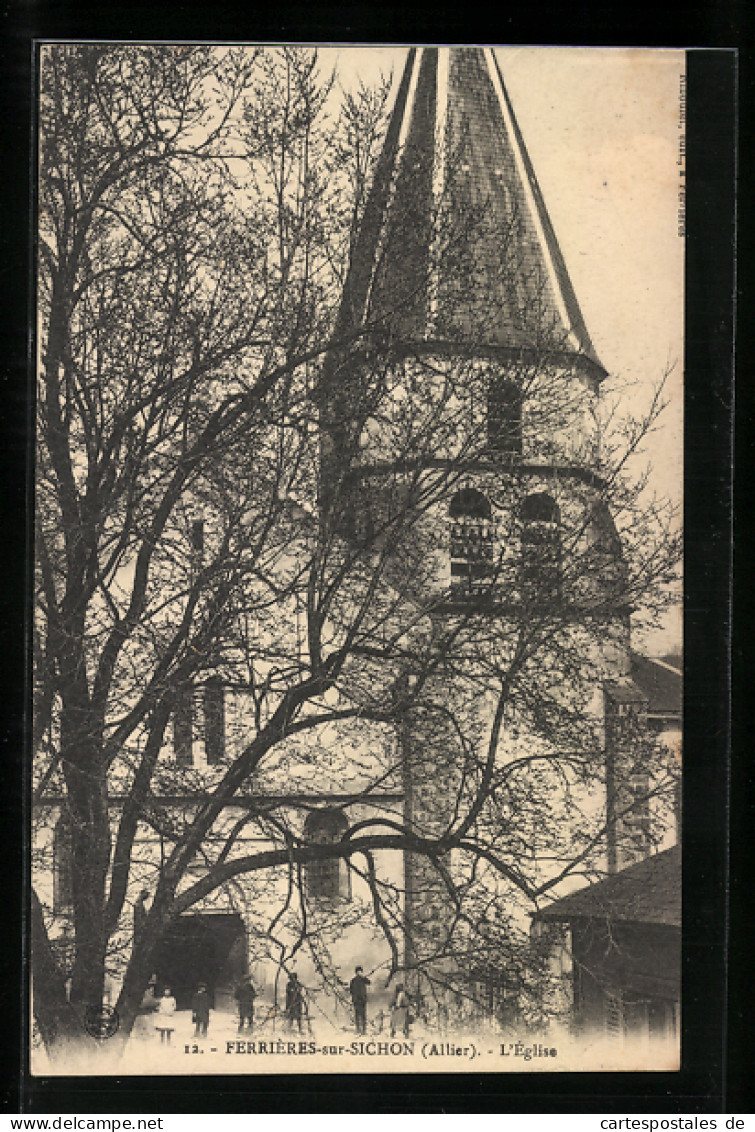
<point>245,995</point>
<point>166,1008</point>
<point>400,1016</point>
<point>200,1010</point>
<point>296,1007</point>
<point>400,1010</point>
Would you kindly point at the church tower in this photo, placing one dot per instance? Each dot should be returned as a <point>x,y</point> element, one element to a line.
<point>463,373</point>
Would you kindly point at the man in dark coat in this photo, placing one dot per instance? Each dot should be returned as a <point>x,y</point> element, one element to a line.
<point>140,910</point>
<point>358,990</point>
<point>294,1001</point>
<point>245,996</point>
<point>200,1011</point>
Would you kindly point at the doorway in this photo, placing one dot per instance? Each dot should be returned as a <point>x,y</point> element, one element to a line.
<point>205,948</point>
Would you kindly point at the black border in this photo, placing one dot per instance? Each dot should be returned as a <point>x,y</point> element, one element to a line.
<point>701,1086</point>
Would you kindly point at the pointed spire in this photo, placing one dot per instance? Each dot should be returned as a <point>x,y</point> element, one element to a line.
<point>456,245</point>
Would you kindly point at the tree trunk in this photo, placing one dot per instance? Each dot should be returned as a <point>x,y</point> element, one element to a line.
<point>53,1014</point>
<point>140,966</point>
<point>90,821</point>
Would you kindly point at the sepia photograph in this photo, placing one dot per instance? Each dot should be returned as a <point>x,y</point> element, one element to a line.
<point>357,720</point>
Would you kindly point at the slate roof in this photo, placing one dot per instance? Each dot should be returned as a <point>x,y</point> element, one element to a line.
<point>660,682</point>
<point>649,892</point>
<point>516,289</point>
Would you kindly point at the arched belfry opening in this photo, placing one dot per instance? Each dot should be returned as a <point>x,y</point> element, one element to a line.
<point>472,558</point>
<point>540,567</point>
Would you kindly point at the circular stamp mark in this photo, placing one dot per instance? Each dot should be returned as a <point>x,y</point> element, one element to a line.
<point>101,1021</point>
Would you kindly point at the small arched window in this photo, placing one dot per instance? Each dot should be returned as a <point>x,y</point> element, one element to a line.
<point>471,539</point>
<point>541,548</point>
<point>214,720</point>
<point>196,545</point>
<point>504,417</point>
<point>328,879</point>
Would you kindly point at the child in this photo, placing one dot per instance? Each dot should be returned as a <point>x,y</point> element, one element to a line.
<point>166,1008</point>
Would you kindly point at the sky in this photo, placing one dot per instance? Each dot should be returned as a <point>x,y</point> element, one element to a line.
<point>605,135</point>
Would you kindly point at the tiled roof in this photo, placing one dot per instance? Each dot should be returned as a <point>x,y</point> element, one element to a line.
<point>649,892</point>
<point>661,682</point>
<point>510,288</point>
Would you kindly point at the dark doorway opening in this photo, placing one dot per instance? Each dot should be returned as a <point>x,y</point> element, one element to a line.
<point>204,948</point>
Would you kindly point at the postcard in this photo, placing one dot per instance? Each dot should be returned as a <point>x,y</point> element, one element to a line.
<point>357,629</point>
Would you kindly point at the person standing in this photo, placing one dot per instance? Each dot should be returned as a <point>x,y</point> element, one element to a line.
<point>140,910</point>
<point>164,1020</point>
<point>200,1011</point>
<point>358,990</point>
<point>294,1001</point>
<point>245,996</point>
<point>400,1012</point>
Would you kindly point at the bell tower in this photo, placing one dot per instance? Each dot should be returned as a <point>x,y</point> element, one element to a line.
<point>461,352</point>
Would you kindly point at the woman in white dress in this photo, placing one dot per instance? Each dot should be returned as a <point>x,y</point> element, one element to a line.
<point>400,1017</point>
<point>164,1020</point>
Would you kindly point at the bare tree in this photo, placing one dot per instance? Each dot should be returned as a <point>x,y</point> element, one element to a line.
<point>240,486</point>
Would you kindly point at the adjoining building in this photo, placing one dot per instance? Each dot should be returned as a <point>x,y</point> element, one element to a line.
<point>624,944</point>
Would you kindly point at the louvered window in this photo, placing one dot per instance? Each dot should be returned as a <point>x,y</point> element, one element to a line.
<point>541,548</point>
<point>471,540</point>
